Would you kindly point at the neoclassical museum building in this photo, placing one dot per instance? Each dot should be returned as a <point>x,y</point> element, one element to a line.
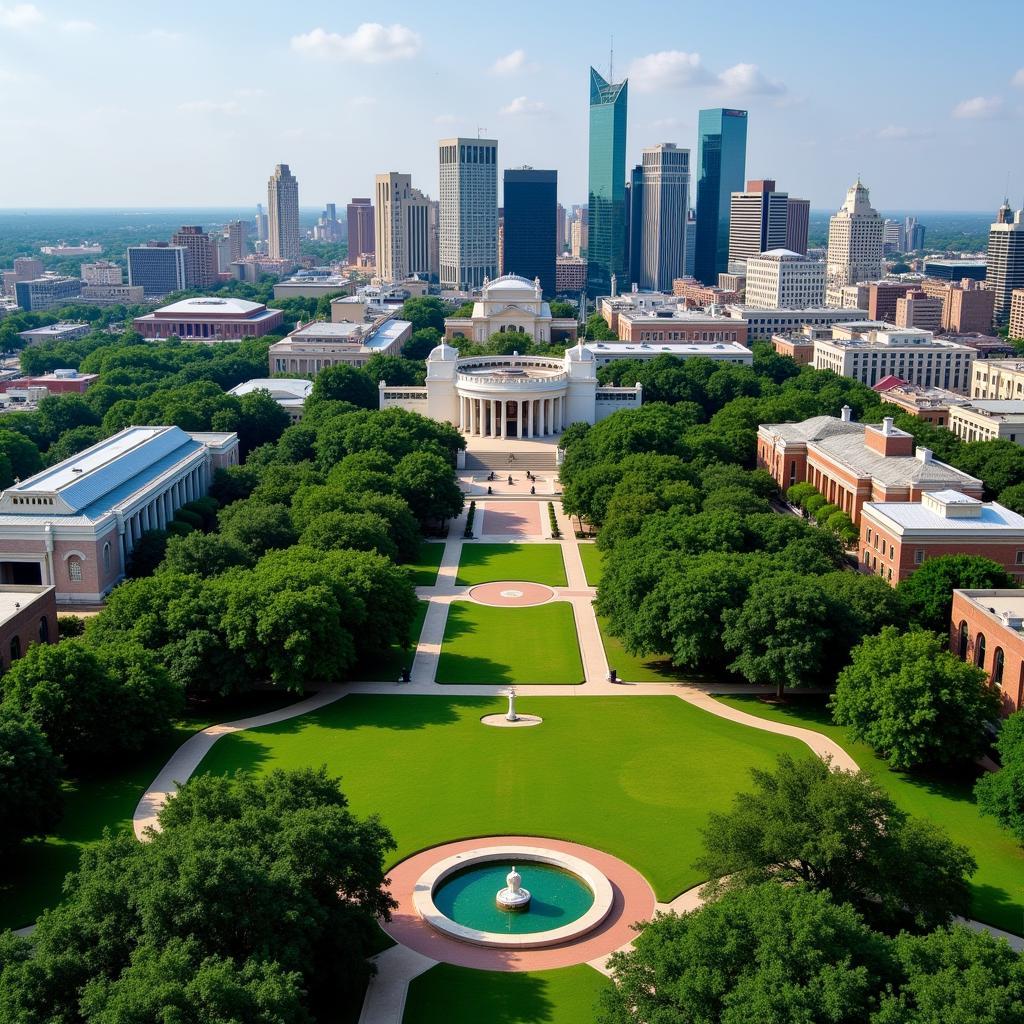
<point>511,303</point>
<point>512,396</point>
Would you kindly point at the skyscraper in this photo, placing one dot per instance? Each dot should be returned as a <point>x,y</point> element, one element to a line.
<point>913,234</point>
<point>361,235</point>
<point>757,222</point>
<point>237,237</point>
<point>530,244</point>
<point>691,242</point>
<point>798,221</point>
<point>283,214</point>
<point>402,228</point>
<point>721,170</point>
<point>468,212</point>
<point>635,226</point>
<point>262,227</point>
<point>559,229</point>
<point>158,267</point>
<point>1005,260</point>
<point>606,245</point>
<point>666,198</point>
<point>854,244</point>
<point>200,258</point>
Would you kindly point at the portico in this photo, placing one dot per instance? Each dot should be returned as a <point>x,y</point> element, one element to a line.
<point>515,417</point>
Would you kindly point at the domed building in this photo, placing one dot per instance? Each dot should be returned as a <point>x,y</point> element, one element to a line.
<point>512,396</point>
<point>511,303</point>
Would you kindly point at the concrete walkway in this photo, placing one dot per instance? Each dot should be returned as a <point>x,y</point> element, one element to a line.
<point>388,988</point>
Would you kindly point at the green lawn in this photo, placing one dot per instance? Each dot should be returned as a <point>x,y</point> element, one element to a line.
<point>632,669</point>
<point>636,776</point>
<point>593,558</point>
<point>423,572</point>
<point>34,875</point>
<point>483,644</point>
<point>998,883</point>
<point>447,994</point>
<point>389,668</point>
<point>493,563</point>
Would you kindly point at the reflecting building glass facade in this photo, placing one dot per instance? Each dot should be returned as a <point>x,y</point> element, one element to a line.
<point>529,245</point>
<point>720,171</point>
<point>606,247</point>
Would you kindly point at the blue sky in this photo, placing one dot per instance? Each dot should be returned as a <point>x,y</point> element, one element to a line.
<point>118,104</point>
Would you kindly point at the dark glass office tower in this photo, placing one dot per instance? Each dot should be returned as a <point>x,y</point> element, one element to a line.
<point>634,228</point>
<point>720,171</point>
<point>531,198</point>
<point>606,247</point>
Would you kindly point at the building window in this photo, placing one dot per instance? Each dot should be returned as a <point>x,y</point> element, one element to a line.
<point>963,636</point>
<point>15,648</point>
<point>997,667</point>
<point>74,570</point>
<point>106,556</point>
<point>44,630</point>
<point>918,556</point>
<point>1020,557</point>
<point>979,650</point>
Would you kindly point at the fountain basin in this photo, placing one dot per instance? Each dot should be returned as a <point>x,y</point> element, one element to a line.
<point>569,897</point>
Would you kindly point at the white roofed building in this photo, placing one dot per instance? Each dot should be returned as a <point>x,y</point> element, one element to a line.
<point>210,318</point>
<point>289,392</point>
<point>511,303</point>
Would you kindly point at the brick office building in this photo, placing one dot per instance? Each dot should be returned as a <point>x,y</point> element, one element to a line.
<point>987,628</point>
<point>210,319</point>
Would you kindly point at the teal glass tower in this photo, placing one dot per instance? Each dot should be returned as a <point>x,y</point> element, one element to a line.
<point>720,171</point>
<point>606,214</point>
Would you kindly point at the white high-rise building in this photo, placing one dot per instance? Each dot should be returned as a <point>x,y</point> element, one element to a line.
<point>468,212</point>
<point>666,199</point>
<point>854,244</point>
<point>1005,270</point>
<point>780,279</point>
<point>402,228</point>
<point>283,214</point>
<point>758,220</point>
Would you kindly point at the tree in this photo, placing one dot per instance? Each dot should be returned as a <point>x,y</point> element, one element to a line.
<point>999,464</point>
<point>767,953</point>
<point>838,831</point>
<point>425,312</point>
<point>426,481</point>
<point>147,554</point>
<point>954,976</point>
<point>395,370</point>
<point>261,420</point>
<point>1001,793</point>
<point>21,454</point>
<point>422,342</point>
<point>359,531</point>
<point>256,527</point>
<point>204,554</point>
<point>913,701</point>
<point>31,800</point>
<point>781,634</point>
<point>346,384</point>
<point>563,309</point>
<point>928,591</point>
<point>253,897</point>
<point>71,442</point>
<point>598,330</point>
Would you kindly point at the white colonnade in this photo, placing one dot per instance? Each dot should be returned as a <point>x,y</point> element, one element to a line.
<point>511,417</point>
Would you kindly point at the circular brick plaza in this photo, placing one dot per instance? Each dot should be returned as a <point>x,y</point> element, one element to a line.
<point>511,594</point>
<point>632,901</point>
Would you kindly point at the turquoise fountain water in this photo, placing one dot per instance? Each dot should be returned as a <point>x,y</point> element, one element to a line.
<point>557,898</point>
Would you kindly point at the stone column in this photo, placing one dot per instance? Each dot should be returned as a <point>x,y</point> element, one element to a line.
<point>145,517</point>
<point>529,418</point>
<point>499,412</point>
<point>541,408</point>
<point>520,412</point>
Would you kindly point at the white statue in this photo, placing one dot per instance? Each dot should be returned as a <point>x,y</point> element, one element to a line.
<point>513,896</point>
<point>511,716</point>
<point>513,880</point>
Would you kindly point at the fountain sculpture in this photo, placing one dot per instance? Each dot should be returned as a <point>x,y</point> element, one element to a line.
<point>513,896</point>
<point>511,716</point>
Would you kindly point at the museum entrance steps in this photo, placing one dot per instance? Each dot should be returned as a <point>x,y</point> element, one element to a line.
<point>511,462</point>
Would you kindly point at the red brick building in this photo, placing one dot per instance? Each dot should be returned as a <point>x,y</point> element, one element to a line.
<point>210,319</point>
<point>925,401</point>
<point>854,463</point>
<point>987,628</point>
<point>60,382</point>
<point>28,615</point>
<point>897,537</point>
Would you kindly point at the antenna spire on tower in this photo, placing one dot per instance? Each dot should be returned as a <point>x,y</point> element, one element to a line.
<point>611,60</point>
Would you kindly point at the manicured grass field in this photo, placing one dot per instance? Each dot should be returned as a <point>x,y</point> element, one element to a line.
<point>494,563</point>
<point>483,644</point>
<point>592,557</point>
<point>632,669</point>
<point>423,572</point>
<point>389,668</point>
<point>32,879</point>
<point>447,994</point>
<point>998,884</point>
<point>636,776</point>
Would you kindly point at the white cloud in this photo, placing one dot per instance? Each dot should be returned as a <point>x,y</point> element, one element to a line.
<point>749,80</point>
<point>1018,78</point>
<point>77,25</point>
<point>445,119</point>
<point>979,108</point>
<point>210,107</point>
<point>371,43</point>
<point>523,106</point>
<point>669,69</point>
<point>19,15</point>
<point>512,63</point>
<point>901,133</point>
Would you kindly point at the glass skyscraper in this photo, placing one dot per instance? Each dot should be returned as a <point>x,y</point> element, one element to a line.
<point>720,171</point>
<point>529,243</point>
<point>606,245</point>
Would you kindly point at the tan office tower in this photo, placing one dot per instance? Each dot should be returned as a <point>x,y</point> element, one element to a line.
<point>200,257</point>
<point>1005,261</point>
<point>359,220</point>
<point>283,214</point>
<point>237,236</point>
<point>666,199</point>
<point>468,212</point>
<point>854,245</point>
<point>757,223</point>
<point>402,228</point>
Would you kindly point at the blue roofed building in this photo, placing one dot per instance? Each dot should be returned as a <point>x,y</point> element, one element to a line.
<point>74,526</point>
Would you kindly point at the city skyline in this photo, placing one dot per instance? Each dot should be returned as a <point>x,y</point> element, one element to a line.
<point>802,120</point>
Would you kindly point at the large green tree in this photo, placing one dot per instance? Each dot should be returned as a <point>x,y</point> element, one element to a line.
<point>1001,793</point>
<point>346,384</point>
<point>804,821</point>
<point>928,591</point>
<point>914,702</point>
<point>31,800</point>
